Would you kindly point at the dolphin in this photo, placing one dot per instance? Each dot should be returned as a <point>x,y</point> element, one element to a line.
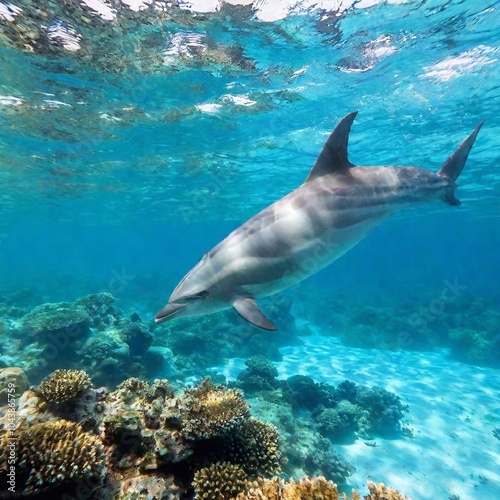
<point>332,211</point>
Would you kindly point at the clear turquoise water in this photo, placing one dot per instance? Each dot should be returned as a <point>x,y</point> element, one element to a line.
<point>134,169</point>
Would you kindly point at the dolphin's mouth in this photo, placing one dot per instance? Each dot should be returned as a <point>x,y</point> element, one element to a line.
<point>168,312</point>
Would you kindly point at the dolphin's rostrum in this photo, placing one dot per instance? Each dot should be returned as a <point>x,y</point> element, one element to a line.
<point>303,232</point>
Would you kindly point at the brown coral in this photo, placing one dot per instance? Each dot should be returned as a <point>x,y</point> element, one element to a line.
<point>220,481</point>
<point>52,453</point>
<point>136,423</point>
<point>13,381</point>
<point>262,489</point>
<point>207,410</point>
<point>317,488</point>
<point>308,489</point>
<point>254,445</point>
<point>381,492</point>
<point>64,385</point>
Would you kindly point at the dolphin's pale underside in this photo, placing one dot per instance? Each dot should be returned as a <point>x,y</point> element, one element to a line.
<point>333,210</point>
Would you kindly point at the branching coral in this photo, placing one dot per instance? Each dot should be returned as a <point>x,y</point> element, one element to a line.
<point>254,446</point>
<point>349,408</point>
<point>208,410</point>
<point>52,453</point>
<point>385,410</point>
<point>302,392</point>
<point>382,492</point>
<point>262,489</point>
<point>220,481</point>
<point>340,421</point>
<point>316,488</point>
<point>260,374</point>
<point>64,385</point>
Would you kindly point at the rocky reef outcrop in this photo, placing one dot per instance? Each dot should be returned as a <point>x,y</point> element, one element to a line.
<point>145,440</point>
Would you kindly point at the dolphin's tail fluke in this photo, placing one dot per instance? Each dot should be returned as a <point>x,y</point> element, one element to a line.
<point>453,166</point>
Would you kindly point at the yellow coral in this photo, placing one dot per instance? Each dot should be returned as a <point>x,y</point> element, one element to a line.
<point>310,489</point>
<point>207,410</point>
<point>262,489</point>
<point>382,492</point>
<point>220,481</point>
<point>317,488</point>
<point>52,453</point>
<point>64,385</point>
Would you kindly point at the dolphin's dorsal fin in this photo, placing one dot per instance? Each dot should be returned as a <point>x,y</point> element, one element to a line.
<point>333,157</point>
<point>453,166</point>
<point>248,309</point>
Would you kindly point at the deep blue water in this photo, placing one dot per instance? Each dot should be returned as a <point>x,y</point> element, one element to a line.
<point>104,171</point>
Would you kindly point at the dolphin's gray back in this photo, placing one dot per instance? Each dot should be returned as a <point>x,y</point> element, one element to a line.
<point>314,225</point>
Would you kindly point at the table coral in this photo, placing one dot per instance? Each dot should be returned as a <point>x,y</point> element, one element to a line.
<point>208,410</point>
<point>63,385</point>
<point>56,316</point>
<point>52,453</point>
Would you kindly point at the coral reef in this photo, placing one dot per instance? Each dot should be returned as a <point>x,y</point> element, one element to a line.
<point>382,492</point>
<point>259,375</point>
<point>317,488</point>
<point>100,309</point>
<point>384,410</point>
<point>254,446</point>
<point>304,451</point>
<point>52,453</point>
<point>80,34</point>
<point>13,381</point>
<point>341,421</point>
<point>53,317</point>
<point>302,392</point>
<point>347,409</point>
<point>305,489</point>
<point>209,340</point>
<point>419,320</point>
<point>146,486</point>
<point>208,410</point>
<point>63,385</point>
<point>159,444</point>
<point>133,424</point>
<point>90,333</point>
<point>220,481</point>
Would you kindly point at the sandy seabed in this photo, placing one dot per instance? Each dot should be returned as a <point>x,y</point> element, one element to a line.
<point>454,408</point>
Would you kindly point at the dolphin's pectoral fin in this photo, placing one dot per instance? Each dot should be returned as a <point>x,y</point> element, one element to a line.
<point>333,157</point>
<point>248,309</point>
